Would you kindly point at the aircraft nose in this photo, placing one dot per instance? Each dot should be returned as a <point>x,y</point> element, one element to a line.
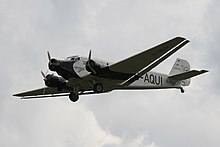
<point>54,64</point>
<point>54,61</point>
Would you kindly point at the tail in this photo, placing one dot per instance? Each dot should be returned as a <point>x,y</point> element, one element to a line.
<point>181,72</point>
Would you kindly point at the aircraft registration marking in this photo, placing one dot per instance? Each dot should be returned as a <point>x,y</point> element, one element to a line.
<point>153,79</point>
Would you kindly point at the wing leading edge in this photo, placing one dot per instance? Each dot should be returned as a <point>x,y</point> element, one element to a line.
<point>41,92</point>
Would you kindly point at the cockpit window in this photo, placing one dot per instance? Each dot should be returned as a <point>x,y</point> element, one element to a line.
<point>73,58</point>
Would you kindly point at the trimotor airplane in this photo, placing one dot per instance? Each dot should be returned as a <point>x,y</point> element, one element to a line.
<point>81,75</point>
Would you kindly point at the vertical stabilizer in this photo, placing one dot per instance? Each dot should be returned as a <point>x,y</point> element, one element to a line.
<point>180,66</point>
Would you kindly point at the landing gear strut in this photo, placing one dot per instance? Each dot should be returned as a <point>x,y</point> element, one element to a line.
<point>182,90</point>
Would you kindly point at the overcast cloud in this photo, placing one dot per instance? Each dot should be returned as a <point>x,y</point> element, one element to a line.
<point>114,30</point>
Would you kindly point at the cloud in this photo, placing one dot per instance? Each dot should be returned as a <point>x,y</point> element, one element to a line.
<point>56,124</point>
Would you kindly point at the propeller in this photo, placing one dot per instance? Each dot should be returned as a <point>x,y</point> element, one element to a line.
<point>42,73</point>
<point>53,63</point>
<point>88,63</point>
<point>45,75</point>
<point>89,59</point>
<point>47,78</point>
<point>48,55</point>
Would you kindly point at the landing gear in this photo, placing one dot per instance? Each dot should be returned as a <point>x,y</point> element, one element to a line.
<point>182,90</point>
<point>98,88</point>
<point>73,97</point>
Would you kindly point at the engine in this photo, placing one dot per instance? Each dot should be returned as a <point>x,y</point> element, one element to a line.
<point>53,64</point>
<point>55,81</point>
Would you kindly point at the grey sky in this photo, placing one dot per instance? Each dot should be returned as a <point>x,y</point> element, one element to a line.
<point>113,30</point>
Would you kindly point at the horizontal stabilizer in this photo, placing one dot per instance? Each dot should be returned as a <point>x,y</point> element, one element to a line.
<point>187,75</point>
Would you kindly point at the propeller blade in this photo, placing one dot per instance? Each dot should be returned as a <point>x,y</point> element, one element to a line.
<point>91,68</point>
<point>43,74</point>
<point>48,54</point>
<point>88,63</point>
<point>90,52</point>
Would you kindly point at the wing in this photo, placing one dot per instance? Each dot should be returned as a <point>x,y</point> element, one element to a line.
<point>154,64</point>
<point>138,62</point>
<point>42,92</point>
<point>50,92</point>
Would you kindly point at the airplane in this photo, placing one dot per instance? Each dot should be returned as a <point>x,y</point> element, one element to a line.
<point>78,75</point>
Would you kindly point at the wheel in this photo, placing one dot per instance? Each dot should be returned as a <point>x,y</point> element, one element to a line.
<point>73,97</point>
<point>98,88</point>
<point>182,90</point>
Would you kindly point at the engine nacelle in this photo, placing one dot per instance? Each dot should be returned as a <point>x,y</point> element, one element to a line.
<point>53,64</point>
<point>54,81</point>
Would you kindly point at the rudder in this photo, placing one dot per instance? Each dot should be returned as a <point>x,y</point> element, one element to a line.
<point>180,66</point>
